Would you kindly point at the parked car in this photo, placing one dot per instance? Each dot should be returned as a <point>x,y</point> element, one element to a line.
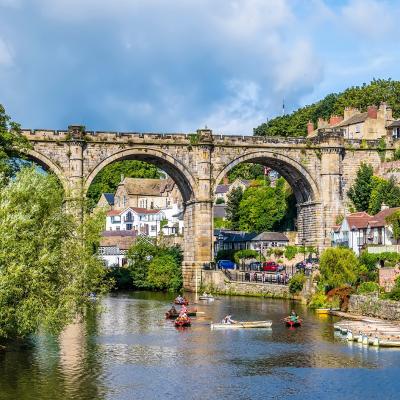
<point>272,266</point>
<point>226,264</point>
<point>300,266</point>
<point>255,266</point>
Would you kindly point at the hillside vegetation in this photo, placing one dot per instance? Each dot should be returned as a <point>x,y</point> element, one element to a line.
<point>295,124</point>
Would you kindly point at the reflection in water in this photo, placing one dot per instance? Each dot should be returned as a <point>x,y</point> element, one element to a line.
<point>131,352</point>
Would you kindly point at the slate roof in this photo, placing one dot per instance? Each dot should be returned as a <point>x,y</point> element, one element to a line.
<point>109,197</point>
<point>144,186</point>
<point>238,236</point>
<point>222,189</point>
<point>394,124</point>
<point>122,239</point>
<point>219,210</point>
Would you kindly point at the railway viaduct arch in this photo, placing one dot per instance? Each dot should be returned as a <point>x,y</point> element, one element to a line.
<point>319,171</point>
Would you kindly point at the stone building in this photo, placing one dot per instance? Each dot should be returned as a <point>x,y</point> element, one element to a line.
<point>147,193</point>
<point>223,190</point>
<point>369,125</point>
<point>106,201</point>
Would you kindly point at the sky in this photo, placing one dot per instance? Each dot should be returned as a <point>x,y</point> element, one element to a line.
<point>180,65</point>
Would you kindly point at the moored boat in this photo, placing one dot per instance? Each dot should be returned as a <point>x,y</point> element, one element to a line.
<point>209,297</point>
<point>243,324</point>
<point>293,324</point>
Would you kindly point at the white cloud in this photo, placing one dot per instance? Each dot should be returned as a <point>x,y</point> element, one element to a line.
<point>6,55</point>
<point>371,18</point>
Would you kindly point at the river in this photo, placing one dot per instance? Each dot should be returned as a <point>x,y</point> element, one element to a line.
<point>129,351</point>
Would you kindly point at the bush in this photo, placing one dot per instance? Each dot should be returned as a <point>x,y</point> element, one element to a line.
<point>164,273</point>
<point>319,300</point>
<point>121,277</point>
<point>296,283</point>
<point>339,267</point>
<point>246,254</point>
<point>291,252</point>
<point>220,200</point>
<point>368,287</point>
<point>278,252</point>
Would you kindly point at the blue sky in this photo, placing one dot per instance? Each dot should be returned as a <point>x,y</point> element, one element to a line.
<point>178,65</point>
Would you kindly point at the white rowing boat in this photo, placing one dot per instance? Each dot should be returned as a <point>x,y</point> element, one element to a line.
<point>243,324</point>
<point>206,297</point>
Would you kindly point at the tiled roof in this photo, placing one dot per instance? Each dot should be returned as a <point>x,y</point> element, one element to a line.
<point>271,237</point>
<point>122,239</point>
<point>378,220</point>
<point>336,228</point>
<point>358,220</point>
<point>113,212</point>
<point>354,119</point>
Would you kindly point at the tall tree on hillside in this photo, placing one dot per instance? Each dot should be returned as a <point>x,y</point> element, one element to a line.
<point>360,192</point>
<point>383,191</point>
<point>232,207</point>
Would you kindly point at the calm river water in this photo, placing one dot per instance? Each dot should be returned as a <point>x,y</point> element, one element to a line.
<point>131,352</point>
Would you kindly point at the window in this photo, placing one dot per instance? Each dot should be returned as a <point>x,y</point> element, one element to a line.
<point>153,228</point>
<point>128,227</point>
<point>358,130</point>
<point>118,228</point>
<point>116,219</point>
<point>396,132</point>
<point>124,200</point>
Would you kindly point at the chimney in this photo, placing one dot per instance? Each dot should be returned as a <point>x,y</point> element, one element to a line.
<point>384,206</point>
<point>226,180</point>
<point>335,119</point>
<point>349,112</point>
<point>385,112</point>
<point>310,127</point>
<point>372,112</point>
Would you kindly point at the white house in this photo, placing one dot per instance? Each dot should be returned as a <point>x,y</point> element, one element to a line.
<point>175,224</point>
<point>360,230</point>
<point>114,246</point>
<point>140,220</point>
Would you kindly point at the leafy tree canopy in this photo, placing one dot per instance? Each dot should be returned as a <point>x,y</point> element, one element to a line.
<point>247,171</point>
<point>360,192</point>
<point>232,207</point>
<point>107,180</point>
<point>338,267</point>
<point>47,261</point>
<point>262,207</point>
<point>295,124</point>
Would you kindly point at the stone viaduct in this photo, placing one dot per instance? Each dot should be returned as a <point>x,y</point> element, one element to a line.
<point>319,170</point>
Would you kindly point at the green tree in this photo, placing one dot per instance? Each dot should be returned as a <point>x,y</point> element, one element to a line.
<point>12,145</point>
<point>360,192</point>
<point>338,267</point>
<point>139,257</point>
<point>232,207</point>
<point>108,179</point>
<point>262,207</point>
<point>383,191</point>
<point>248,171</point>
<point>47,261</point>
<point>164,273</point>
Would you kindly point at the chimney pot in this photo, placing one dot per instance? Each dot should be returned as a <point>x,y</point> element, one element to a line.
<point>372,112</point>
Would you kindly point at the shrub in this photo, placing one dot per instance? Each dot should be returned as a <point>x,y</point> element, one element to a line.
<point>368,287</point>
<point>246,254</point>
<point>318,300</point>
<point>220,200</point>
<point>278,252</point>
<point>291,252</point>
<point>296,283</point>
<point>225,255</point>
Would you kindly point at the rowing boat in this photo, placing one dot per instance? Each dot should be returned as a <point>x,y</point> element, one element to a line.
<point>243,324</point>
<point>208,297</point>
<point>293,324</point>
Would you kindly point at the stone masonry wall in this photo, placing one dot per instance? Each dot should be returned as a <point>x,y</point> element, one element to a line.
<point>373,307</point>
<point>217,282</point>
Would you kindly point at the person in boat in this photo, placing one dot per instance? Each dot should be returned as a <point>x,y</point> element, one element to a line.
<point>205,294</point>
<point>179,299</point>
<point>293,317</point>
<point>183,311</point>
<point>173,311</point>
<point>228,320</point>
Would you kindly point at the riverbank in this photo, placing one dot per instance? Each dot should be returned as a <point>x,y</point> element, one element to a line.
<point>216,282</point>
